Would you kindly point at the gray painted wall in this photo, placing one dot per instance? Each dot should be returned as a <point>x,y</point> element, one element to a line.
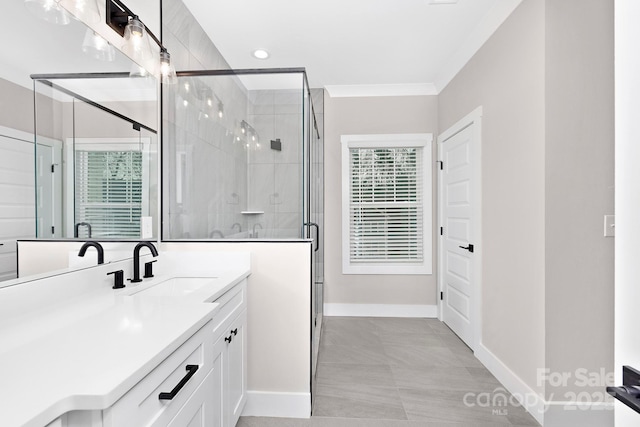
<point>506,77</point>
<point>545,81</point>
<point>579,189</point>
<point>382,115</point>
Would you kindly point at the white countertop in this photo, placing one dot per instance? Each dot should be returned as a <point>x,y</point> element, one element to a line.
<point>92,358</point>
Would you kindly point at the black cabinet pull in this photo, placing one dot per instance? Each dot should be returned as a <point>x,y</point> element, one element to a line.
<point>235,332</point>
<point>229,339</point>
<point>191,370</point>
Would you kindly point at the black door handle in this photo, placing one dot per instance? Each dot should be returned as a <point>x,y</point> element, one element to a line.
<point>191,370</point>
<point>317,227</point>
<point>469,248</point>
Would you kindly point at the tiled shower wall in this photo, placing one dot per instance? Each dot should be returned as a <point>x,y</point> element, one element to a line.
<point>209,189</point>
<point>275,177</point>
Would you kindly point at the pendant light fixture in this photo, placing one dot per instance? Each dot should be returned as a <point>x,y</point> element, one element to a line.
<point>48,10</point>
<point>167,70</point>
<point>137,44</point>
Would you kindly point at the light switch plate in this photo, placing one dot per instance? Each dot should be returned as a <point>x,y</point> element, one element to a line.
<point>609,225</point>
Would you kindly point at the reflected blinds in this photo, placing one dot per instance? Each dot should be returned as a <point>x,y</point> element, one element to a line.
<point>108,189</point>
<point>386,205</point>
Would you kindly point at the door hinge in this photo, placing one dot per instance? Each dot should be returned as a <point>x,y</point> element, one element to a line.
<point>441,296</point>
<point>441,163</point>
<point>441,231</point>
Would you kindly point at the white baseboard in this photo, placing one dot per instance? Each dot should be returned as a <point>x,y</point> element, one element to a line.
<point>561,414</point>
<point>530,400</point>
<point>547,413</point>
<point>274,404</point>
<point>381,310</point>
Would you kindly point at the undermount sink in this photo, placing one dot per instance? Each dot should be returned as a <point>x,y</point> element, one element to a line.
<point>176,286</point>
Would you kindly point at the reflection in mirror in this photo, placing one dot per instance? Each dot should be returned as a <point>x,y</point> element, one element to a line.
<point>103,163</point>
<point>33,46</point>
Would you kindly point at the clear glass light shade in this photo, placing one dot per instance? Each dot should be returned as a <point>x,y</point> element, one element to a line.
<point>167,70</point>
<point>97,47</point>
<point>137,45</point>
<point>138,71</point>
<point>48,10</point>
<point>84,10</point>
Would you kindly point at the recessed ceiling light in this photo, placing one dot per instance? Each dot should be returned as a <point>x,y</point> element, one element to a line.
<point>260,54</point>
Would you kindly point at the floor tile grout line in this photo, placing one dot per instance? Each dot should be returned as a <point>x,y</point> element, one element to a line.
<point>447,340</point>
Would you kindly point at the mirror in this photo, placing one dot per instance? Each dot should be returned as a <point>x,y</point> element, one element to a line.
<point>76,127</point>
<point>96,163</point>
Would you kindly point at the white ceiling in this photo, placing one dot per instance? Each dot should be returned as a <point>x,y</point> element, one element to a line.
<point>355,46</point>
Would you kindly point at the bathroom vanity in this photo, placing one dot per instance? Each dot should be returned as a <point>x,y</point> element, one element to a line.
<point>169,351</point>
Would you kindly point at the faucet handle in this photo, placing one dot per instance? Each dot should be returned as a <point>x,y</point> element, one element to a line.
<point>148,269</point>
<point>118,279</point>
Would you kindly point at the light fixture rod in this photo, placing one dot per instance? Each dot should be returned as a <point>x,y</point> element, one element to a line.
<point>118,15</point>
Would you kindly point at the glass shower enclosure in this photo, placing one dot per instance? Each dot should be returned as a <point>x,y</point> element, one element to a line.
<point>242,161</point>
<point>238,148</point>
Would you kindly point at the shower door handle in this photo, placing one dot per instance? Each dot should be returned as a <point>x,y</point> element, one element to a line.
<point>317,227</point>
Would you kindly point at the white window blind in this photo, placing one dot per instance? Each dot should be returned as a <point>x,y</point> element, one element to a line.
<point>386,204</point>
<point>108,189</point>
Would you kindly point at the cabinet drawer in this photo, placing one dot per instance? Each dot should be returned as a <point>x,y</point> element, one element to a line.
<point>231,304</point>
<point>141,406</point>
<point>200,410</point>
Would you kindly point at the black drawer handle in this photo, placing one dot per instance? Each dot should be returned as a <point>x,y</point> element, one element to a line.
<point>229,339</point>
<point>191,370</point>
<point>235,332</point>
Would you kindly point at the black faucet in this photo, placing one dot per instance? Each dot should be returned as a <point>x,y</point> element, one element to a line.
<point>76,231</point>
<point>96,245</point>
<point>136,259</point>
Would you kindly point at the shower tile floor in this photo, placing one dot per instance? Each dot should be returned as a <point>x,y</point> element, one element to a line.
<point>393,372</point>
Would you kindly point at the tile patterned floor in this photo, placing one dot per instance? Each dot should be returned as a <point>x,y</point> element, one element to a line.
<point>391,372</point>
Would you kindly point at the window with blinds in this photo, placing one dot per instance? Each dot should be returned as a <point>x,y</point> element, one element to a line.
<point>108,190</point>
<point>386,204</point>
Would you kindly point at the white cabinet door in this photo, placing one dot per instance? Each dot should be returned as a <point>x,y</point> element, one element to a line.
<point>217,416</point>
<point>236,381</point>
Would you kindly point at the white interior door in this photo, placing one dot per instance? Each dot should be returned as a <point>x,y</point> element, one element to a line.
<point>17,214</point>
<point>459,232</point>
